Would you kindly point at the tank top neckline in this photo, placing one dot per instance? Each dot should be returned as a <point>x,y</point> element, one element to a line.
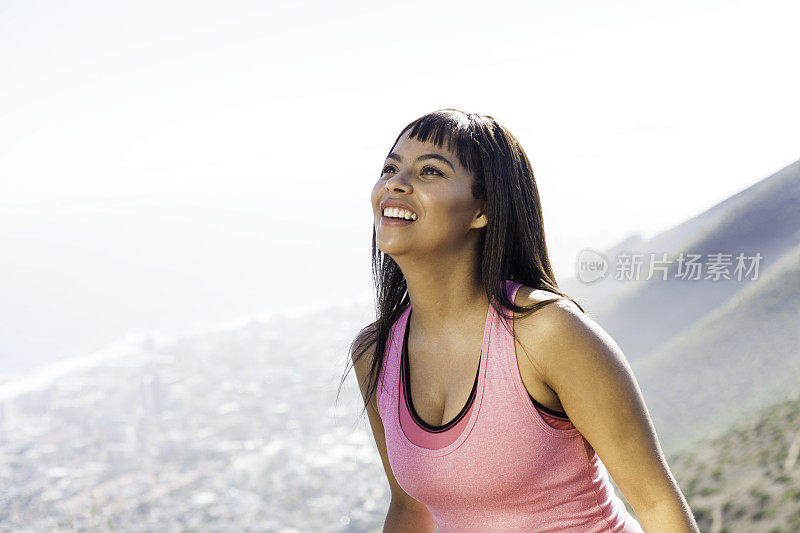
<point>406,384</point>
<point>471,410</point>
<point>430,428</point>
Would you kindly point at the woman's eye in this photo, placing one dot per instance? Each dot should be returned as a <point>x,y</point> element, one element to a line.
<point>425,170</point>
<point>430,168</point>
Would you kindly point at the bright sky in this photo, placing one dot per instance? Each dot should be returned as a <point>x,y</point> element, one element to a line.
<point>166,165</point>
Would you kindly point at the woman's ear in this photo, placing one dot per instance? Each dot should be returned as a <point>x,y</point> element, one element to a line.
<point>481,219</point>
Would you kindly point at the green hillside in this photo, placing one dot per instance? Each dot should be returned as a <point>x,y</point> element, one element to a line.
<point>748,478</point>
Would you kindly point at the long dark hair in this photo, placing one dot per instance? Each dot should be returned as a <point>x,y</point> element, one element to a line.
<point>512,246</point>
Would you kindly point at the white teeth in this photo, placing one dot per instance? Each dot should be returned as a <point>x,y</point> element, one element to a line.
<point>396,212</point>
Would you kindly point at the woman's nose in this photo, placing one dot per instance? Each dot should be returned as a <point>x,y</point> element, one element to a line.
<point>397,182</point>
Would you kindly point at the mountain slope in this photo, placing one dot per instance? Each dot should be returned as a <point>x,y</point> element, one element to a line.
<point>641,315</point>
<point>740,357</point>
<point>748,478</point>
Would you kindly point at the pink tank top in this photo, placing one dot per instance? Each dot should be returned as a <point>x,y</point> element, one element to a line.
<point>501,464</point>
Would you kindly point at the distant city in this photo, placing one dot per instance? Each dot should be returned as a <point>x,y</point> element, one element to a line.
<point>230,431</point>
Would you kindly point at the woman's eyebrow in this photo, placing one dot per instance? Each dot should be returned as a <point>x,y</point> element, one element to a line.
<point>424,156</point>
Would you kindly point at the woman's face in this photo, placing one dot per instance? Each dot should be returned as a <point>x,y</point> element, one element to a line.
<point>433,185</point>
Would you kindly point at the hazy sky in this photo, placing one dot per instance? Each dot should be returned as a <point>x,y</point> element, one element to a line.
<point>167,165</point>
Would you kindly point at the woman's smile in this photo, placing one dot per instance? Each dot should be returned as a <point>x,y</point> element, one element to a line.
<point>391,221</point>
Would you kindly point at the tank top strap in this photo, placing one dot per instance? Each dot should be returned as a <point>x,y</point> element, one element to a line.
<point>388,386</point>
<point>511,288</point>
<point>501,344</point>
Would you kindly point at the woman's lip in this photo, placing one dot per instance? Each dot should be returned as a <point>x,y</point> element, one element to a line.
<point>389,221</point>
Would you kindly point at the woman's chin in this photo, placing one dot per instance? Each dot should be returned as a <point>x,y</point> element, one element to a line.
<point>389,248</point>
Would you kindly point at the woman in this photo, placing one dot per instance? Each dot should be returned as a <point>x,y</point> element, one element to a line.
<point>497,405</point>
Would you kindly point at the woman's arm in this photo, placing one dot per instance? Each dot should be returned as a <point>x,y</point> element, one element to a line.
<point>412,520</point>
<point>405,513</point>
<point>596,386</point>
<point>672,515</point>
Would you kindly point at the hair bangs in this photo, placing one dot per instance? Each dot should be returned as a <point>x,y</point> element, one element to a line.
<point>455,130</point>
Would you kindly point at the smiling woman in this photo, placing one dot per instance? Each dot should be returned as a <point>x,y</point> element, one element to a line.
<point>497,405</point>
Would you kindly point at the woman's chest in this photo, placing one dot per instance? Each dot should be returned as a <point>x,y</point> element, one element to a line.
<point>502,454</point>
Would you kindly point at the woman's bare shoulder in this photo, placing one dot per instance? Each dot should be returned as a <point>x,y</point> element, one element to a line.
<point>528,295</point>
<point>561,317</point>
